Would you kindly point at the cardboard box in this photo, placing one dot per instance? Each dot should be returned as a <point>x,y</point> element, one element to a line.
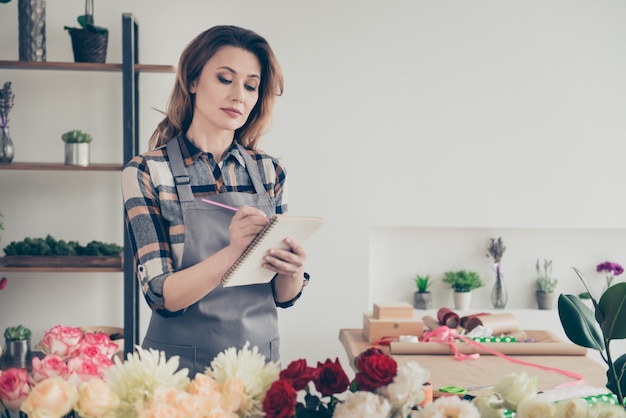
<point>397,310</point>
<point>375,329</point>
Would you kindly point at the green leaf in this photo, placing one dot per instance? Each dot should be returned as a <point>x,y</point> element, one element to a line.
<point>579,323</point>
<point>619,365</point>
<point>613,307</point>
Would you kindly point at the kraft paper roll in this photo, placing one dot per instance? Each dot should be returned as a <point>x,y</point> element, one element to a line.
<point>430,322</point>
<point>448,318</point>
<point>499,323</point>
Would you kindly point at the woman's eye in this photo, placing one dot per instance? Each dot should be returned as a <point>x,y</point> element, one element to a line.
<point>250,88</point>
<point>224,80</point>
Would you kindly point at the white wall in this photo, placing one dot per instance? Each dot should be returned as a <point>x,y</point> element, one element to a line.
<point>458,120</point>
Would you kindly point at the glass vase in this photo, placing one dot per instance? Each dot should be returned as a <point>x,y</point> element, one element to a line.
<point>499,294</point>
<point>6,146</point>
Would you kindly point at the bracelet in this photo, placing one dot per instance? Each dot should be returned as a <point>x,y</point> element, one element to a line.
<point>290,302</point>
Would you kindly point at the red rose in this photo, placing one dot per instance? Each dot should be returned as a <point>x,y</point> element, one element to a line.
<point>3,283</point>
<point>298,374</point>
<point>280,400</point>
<point>374,369</point>
<point>331,379</point>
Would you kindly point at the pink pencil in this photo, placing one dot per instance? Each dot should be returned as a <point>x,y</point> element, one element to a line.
<point>221,205</point>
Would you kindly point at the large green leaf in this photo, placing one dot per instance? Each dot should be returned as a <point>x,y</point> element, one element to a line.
<point>613,307</point>
<point>579,323</point>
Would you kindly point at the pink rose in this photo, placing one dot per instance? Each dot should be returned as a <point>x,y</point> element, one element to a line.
<point>94,354</point>
<point>50,366</point>
<point>14,388</point>
<point>62,341</point>
<point>102,341</point>
<point>81,370</point>
<point>51,397</point>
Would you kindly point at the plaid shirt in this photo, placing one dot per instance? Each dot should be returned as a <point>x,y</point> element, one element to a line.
<point>153,213</point>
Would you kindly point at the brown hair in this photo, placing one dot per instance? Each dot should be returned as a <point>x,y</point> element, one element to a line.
<point>181,103</point>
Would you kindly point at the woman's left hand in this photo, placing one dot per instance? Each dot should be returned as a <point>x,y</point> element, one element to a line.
<point>286,262</point>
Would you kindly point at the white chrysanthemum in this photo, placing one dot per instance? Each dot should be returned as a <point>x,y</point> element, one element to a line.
<point>605,410</point>
<point>571,408</point>
<point>135,380</point>
<point>515,387</point>
<point>448,406</point>
<point>535,407</point>
<point>245,367</point>
<point>363,404</point>
<point>407,388</point>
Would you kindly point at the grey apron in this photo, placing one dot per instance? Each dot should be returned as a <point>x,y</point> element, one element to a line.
<point>226,317</point>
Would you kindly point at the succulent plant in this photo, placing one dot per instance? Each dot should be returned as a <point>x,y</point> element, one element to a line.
<point>17,333</point>
<point>76,137</point>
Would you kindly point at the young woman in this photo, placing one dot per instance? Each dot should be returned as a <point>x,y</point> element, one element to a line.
<point>205,147</point>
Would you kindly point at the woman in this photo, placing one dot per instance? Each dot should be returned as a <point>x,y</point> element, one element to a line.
<point>205,147</point>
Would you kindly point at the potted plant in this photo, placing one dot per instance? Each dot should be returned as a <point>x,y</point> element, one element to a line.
<point>499,294</point>
<point>422,299</point>
<point>89,42</point>
<point>545,284</point>
<point>77,147</point>
<point>463,282</point>
<point>17,347</point>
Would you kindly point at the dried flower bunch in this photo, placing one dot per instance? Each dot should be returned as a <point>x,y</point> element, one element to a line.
<point>496,249</point>
<point>6,103</point>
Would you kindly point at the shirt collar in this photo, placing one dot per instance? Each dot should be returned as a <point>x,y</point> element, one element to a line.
<point>191,152</point>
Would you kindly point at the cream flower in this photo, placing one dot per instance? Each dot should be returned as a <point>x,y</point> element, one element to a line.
<point>247,368</point>
<point>515,387</point>
<point>96,400</point>
<point>135,380</point>
<point>449,407</point>
<point>535,407</point>
<point>407,388</point>
<point>571,408</point>
<point>489,406</point>
<point>53,397</point>
<point>363,404</point>
<point>605,410</point>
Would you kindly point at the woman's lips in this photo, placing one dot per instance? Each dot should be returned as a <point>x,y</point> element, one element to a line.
<point>232,112</point>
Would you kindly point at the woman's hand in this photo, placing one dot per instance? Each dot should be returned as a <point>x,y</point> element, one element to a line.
<point>289,262</point>
<point>245,225</point>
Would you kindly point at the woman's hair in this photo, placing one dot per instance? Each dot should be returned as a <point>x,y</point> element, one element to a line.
<point>181,102</point>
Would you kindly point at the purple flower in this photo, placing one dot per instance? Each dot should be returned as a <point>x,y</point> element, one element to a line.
<point>610,268</point>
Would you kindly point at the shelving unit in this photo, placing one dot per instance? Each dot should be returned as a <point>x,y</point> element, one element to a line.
<point>130,70</point>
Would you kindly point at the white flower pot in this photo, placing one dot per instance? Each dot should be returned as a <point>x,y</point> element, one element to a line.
<point>462,300</point>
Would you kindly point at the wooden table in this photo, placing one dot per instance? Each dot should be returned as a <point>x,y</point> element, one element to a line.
<point>487,369</point>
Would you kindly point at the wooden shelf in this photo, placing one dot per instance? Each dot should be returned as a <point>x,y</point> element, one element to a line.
<point>53,264</point>
<point>60,167</point>
<point>83,66</point>
<point>62,269</point>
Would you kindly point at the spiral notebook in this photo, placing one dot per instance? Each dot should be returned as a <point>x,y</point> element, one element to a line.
<point>247,269</point>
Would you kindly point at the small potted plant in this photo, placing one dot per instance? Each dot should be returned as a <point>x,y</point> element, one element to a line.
<point>17,348</point>
<point>463,282</point>
<point>545,284</point>
<point>422,299</point>
<point>89,42</point>
<point>77,147</point>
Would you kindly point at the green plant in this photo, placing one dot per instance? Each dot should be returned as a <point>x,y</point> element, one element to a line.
<point>86,20</point>
<point>17,333</point>
<point>422,282</point>
<point>76,137</point>
<point>596,329</point>
<point>463,280</point>
<point>545,282</point>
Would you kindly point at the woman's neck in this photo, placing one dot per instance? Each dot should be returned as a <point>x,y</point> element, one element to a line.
<point>217,144</point>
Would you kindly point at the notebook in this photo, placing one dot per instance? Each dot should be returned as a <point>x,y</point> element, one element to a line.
<point>247,269</point>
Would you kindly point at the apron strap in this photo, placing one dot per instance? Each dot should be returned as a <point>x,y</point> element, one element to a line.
<point>181,176</point>
<point>253,170</point>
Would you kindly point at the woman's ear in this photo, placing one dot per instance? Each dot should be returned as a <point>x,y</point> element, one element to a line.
<point>192,87</point>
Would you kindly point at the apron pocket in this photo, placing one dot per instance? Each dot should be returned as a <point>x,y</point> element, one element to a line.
<point>186,354</point>
<point>275,350</point>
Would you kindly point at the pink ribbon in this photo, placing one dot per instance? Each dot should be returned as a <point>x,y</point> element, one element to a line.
<point>447,335</point>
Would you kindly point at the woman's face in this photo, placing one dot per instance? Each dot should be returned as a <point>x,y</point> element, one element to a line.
<point>227,89</point>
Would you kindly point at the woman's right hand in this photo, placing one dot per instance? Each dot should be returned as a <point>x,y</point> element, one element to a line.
<point>245,225</point>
